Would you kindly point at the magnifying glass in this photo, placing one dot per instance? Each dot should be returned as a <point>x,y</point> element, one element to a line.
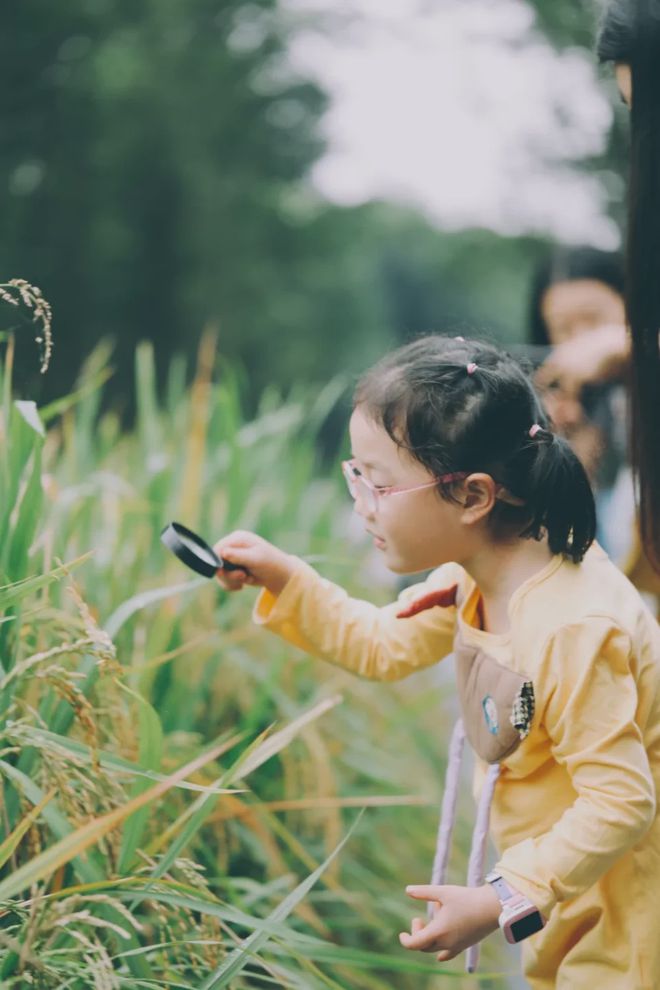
<point>195,552</point>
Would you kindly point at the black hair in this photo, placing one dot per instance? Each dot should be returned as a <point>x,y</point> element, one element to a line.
<point>452,420</point>
<point>615,37</point>
<point>568,264</point>
<point>630,33</point>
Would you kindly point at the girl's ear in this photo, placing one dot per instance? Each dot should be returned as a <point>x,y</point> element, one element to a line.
<point>478,498</point>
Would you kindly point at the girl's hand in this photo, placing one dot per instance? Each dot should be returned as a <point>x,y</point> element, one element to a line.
<point>462,917</point>
<point>262,564</point>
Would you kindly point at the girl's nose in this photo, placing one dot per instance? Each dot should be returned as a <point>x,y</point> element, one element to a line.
<point>362,507</point>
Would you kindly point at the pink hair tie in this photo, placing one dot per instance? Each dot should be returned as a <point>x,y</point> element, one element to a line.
<point>534,430</point>
<point>471,368</point>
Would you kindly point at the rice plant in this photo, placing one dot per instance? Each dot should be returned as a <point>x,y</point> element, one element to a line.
<point>183,793</point>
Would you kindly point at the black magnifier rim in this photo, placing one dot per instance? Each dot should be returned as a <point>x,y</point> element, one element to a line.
<point>171,537</point>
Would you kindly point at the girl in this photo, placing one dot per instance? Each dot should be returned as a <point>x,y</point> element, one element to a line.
<point>557,659</point>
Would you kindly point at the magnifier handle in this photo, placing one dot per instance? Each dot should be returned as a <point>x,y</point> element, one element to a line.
<point>228,566</point>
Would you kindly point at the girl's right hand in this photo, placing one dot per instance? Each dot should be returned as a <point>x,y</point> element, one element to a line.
<point>262,564</point>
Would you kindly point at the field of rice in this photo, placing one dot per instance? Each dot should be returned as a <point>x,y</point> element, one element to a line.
<point>188,802</point>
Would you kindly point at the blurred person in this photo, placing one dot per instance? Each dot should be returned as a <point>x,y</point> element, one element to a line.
<point>576,291</point>
<point>577,295</point>
<point>454,467</point>
<point>630,38</point>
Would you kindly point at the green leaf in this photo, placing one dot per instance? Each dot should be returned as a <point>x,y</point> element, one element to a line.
<point>59,406</point>
<point>12,841</point>
<point>150,751</point>
<point>27,520</point>
<point>42,739</point>
<point>46,862</point>
<point>58,824</point>
<point>11,594</point>
<point>240,957</point>
<point>28,411</point>
<point>132,605</point>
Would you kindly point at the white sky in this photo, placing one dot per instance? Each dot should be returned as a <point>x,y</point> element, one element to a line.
<point>457,107</point>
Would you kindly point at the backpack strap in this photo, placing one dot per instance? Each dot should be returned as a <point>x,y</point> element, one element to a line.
<point>448,819</point>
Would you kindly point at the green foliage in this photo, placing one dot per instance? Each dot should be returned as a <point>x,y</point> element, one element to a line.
<point>160,141</point>
<point>175,796</point>
<point>154,181</point>
<point>567,22</point>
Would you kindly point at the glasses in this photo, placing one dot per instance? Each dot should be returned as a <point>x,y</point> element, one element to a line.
<point>370,495</point>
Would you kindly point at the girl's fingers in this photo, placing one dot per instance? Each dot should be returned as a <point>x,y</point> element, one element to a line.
<point>417,925</point>
<point>234,555</point>
<point>445,956</point>
<point>425,892</point>
<point>238,546</point>
<point>231,580</point>
<point>424,940</point>
<point>239,538</point>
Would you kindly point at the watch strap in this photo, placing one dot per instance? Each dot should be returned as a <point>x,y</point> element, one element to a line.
<point>501,888</point>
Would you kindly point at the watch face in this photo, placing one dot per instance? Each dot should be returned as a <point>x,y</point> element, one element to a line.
<point>526,926</point>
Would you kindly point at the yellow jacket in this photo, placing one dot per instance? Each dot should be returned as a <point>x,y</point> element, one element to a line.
<point>574,814</point>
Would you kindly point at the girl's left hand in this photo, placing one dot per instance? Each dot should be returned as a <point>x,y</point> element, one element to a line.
<point>462,917</point>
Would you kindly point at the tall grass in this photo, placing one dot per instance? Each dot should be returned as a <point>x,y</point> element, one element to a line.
<point>182,792</point>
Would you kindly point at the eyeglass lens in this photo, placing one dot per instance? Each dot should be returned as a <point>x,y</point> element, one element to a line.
<point>359,489</point>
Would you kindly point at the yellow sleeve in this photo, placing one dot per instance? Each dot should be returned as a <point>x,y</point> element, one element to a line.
<point>588,707</point>
<point>320,618</point>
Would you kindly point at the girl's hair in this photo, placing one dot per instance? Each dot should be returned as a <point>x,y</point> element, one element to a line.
<point>568,264</point>
<point>466,406</point>
<point>630,33</point>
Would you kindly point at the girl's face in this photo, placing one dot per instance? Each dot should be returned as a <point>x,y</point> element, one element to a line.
<point>415,531</point>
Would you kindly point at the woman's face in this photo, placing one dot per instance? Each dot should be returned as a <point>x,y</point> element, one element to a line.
<point>623,75</point>
<point>572,308</point>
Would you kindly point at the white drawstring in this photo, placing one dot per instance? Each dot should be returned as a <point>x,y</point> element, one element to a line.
<point>448,819</point>
<point>449,802</point>
<point>478,850</point>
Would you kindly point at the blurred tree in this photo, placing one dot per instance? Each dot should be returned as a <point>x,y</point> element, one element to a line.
<point>148,151</point>
<point>153,180</point>
<point>567,24</point>
<point>566,21</point>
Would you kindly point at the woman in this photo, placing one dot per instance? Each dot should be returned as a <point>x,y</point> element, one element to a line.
<point>575,293</point>
<point>577,297</point>
<point>630,38</point>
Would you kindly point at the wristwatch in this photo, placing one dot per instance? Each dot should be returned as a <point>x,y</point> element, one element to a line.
<point>519,918</point>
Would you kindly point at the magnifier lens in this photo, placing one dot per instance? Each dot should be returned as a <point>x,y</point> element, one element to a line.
<point>191,549</point>
<point>199,549</point>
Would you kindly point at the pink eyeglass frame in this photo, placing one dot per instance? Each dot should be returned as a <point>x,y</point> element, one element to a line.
<point>348,467</point>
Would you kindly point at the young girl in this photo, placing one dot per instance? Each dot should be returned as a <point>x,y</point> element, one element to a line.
<point>557,659</point>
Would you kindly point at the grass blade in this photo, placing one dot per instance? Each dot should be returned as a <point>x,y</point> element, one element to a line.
<point>77,842</point>
<point>240,957</point>
<point>11,842</point>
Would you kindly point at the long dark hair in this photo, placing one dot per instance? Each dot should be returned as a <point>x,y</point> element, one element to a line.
<point>466,406</point>
<point>631,34</point>
<point>567,264</point>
